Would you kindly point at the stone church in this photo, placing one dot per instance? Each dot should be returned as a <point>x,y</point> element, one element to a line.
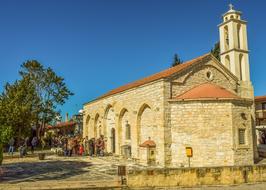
<point>199,113</point>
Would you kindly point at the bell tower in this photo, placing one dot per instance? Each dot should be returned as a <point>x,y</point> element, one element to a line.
<point>234,51</point>
<point>234,45</point>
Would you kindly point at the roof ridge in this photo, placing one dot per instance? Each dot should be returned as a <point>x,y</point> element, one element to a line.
<point>156,76</point>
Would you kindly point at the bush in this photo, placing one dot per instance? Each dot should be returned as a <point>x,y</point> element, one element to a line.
<point>5,134</point>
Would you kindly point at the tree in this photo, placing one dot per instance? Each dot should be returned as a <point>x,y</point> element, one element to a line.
<point>216,51</point>
<point>17,105</point>
<point>176,61</point>
<point>51,90</point>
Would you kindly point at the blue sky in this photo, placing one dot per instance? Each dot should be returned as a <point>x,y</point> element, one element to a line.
<point>97,45</point>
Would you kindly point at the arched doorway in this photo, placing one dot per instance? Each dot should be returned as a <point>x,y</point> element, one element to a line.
<point>113,140</point>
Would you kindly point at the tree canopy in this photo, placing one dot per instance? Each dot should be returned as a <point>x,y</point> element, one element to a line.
<point>176,61</point>
<point>32,100</point>
<point>18,105</point>
<point>216,50</point>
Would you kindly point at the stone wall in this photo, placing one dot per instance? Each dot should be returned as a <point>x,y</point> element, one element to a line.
<point>242,119</point>
<point>197,75</point>
<point>144,107</point>
<point>211,127</point>
<point>191,177</point>
<point>206,126</point>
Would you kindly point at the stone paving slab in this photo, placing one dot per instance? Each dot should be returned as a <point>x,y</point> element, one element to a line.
<point>68,173</point>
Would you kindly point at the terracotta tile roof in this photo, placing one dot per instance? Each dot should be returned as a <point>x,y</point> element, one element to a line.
<point>260,98</point>
<point>66,124</point>
<point>156,76</point>
<point>206,91</point>
<point>148,143</point>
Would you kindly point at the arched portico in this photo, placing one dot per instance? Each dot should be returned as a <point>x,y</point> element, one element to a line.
<point>87,126</point>
<point>97,126</point>
<point>145,124</point>
<point>124,132</point>
<point>109,128</point>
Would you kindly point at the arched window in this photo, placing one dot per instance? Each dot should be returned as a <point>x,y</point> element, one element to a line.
<point>128,131</point>
<point>231,17</point>
<point>227,62</point>
<point>226,38</point>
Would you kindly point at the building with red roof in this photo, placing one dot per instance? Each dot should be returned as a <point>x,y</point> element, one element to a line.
<point>203,104</point>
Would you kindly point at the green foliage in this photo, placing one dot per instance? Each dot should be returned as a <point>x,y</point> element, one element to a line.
<point>31,100</point>
<point>1,154</point>
<point>176,61</point>
<point>6,132</point>
<point>216,51</point>
<point>50,89</point>
<point>18,103</point>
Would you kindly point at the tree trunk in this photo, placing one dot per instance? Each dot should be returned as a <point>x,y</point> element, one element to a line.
<point>1,153</point>
<point>19,135</point>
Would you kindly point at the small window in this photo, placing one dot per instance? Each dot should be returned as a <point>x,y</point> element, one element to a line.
<point>241,136</point>
<point>209,75</point>
<point>264,106</point>
<point>128,132</point>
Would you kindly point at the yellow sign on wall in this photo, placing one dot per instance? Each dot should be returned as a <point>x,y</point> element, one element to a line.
<point>189,151</point>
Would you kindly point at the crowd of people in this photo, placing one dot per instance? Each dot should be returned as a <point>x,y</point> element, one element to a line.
<point>63,145</point>
<point>22,145</point>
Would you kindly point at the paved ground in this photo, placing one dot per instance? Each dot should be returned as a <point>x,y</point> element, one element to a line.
<point>75,173</point>
<point>56,172</point>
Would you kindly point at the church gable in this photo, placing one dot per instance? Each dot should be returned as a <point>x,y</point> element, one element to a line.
<point>210,71</point>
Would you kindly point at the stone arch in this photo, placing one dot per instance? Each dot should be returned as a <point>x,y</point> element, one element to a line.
<point>109,128</point>
<point>97,126</point>
<point>87,126</point>
<point>124,124</point>
<point>226,38</point>
<point>105,112</point>
<point>145,121</point>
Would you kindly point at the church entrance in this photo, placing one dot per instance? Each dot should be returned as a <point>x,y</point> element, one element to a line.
<point>113,140</point>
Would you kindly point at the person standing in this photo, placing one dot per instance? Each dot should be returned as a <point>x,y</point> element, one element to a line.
<point>70,147</point>
<point>11,146</point>
<point>86,145</point>
<point>91,147</point>
<point>33,144</point>
<point>25,146</point>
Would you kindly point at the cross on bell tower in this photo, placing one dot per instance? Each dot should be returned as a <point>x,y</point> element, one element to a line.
<point>231,6</point>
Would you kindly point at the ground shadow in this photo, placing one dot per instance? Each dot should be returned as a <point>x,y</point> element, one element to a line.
<point>36,171</point>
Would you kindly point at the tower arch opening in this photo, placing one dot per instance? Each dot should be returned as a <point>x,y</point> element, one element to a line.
<point>239,34</point>
<point>227,62</point>
<point>226,38</point>
<point>241,67</point>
